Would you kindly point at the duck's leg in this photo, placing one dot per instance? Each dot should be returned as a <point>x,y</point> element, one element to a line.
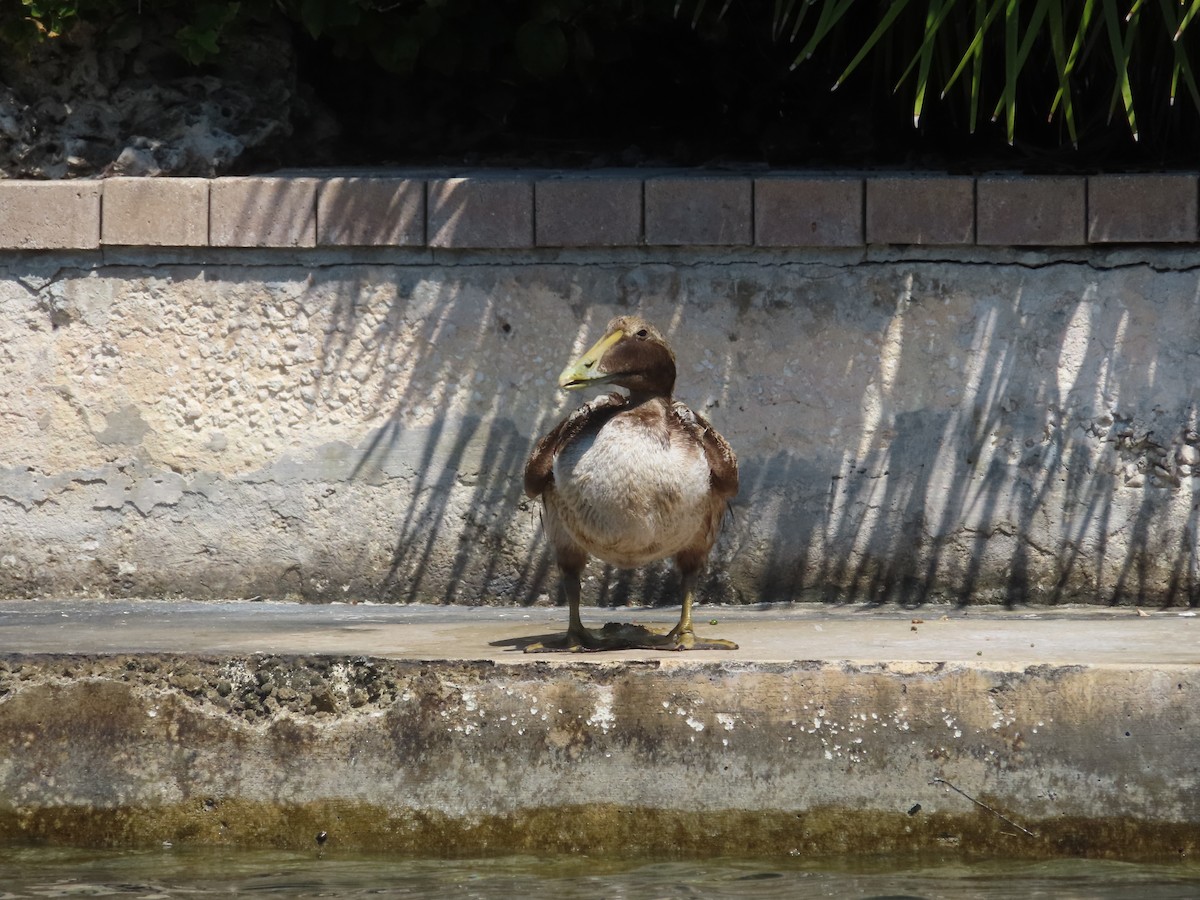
<point>614,635</point>
<point>682,637</point>
<point>621,635</point>
<point>579,639</point>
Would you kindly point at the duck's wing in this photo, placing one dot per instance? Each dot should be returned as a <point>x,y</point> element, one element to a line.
<point>539,468</point>
<point>722,461</point>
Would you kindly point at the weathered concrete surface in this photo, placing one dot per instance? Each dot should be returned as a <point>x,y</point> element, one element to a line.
<point>426,730</point>
<point>333,425</point>
<point>1064,636</point>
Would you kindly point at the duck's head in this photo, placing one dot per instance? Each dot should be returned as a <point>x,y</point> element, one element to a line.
<point>632,354</point>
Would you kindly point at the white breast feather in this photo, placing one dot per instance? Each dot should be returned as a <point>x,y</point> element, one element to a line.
<point>627,498</point>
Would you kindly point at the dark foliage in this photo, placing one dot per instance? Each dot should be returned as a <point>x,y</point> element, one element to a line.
<point>612,82</point>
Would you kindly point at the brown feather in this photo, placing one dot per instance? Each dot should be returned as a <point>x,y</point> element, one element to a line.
<point>647,477</point>
<point>539,468</point>
<point>722,461</point>
<point>631,480</point>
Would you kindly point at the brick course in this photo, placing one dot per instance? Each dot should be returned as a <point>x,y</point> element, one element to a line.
<point>155,212</point>
<point>921,209</point>
<point>1137,208</point>
<point>263,212</point>
<point>699,211</point>
<point>582,211</point>
<point>371,212</point>
<point>487,212</point>
<point>50,215</point>
<point>523,210</point>
<point>1015,211</point>
<point>808,211</point>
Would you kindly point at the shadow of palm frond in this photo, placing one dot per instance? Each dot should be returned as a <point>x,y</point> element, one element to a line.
<point>908,430</point>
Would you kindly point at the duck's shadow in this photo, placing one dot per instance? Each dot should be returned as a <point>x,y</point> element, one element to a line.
<point>613,636</point>
<point>521,643</point>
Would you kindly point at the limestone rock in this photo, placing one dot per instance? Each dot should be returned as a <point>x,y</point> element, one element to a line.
<point>96,102</point>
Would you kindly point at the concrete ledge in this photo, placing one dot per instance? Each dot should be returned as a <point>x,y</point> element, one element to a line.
<point>49,215</point>
<point>1142,208</point>
<point>580,211</point>
<point>920,209</point>
<point>150,212</point>
<point>707,211</point>
<point>521,210</point>
<point>263,212</point>
<point>481,213</point>
<point>416,728</point>
<point>1017,211</point>
<point>814,211</point>
<point>371,212</point>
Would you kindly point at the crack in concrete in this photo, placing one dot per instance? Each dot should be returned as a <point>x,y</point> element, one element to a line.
<point>330,259</point>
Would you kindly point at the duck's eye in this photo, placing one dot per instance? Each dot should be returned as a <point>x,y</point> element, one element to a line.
<point>642,333</point>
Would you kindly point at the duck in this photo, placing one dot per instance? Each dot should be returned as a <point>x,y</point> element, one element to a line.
<point>630,478</point>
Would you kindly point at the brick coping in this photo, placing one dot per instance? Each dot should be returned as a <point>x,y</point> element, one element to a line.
<point>515,210</point>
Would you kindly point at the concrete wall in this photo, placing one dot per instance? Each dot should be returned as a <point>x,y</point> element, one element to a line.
<point>682,756</point>
<point>291,401</point>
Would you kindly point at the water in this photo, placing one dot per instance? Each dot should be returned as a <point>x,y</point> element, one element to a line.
<point>163,874</point>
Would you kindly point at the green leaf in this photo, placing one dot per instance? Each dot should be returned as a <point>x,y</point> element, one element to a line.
<point>312,17</point>
<point>1121,50</point>
<point>783,12</point>
<point>1058,46</point>
<point>1187,18</point>
<point>1008,96</point>
<point>804,8</point>
<point>1183,65</point>
<point>885,23</point>
<point>831,13</point>
<point>982,21</point>
<point>541,48</point>
<point>1016,54</point>
<point>984,17</point>
<point>974,51</point>
<point>398,52</point>
<point>934,17</point>
<point>195,44</point>
<point>1089,7</point>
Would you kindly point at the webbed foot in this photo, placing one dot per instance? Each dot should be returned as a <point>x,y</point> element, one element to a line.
<point>687,640</point>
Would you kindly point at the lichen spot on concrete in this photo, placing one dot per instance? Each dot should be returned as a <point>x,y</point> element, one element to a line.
<point>602,716</point>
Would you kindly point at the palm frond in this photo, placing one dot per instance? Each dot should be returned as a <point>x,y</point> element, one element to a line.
<point>1044,52</point>
<point>1121,50</point>
<point>831,13</point>
<point>885,23</point>
<point>1182,66</point>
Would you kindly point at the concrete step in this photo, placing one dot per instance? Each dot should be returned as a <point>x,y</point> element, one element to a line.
<point>1030,733</point>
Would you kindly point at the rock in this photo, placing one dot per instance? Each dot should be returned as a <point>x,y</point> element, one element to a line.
<point>94,103</point>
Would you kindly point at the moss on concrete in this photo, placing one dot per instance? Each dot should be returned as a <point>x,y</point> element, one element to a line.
<point>653,757</point>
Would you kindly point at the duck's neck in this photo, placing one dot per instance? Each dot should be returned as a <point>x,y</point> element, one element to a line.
<point>637,398</point>
<point>653,384</point>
